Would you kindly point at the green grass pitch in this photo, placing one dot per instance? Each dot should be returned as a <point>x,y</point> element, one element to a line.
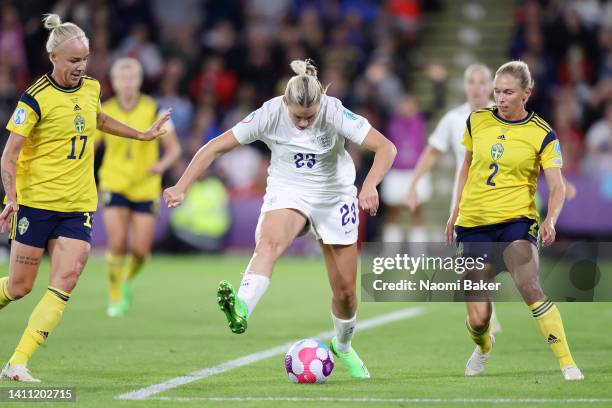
<point>175,328</point>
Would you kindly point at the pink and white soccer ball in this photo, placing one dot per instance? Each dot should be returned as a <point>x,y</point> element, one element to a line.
<point>309,361</point>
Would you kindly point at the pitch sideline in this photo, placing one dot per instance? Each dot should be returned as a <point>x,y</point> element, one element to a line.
<point>147,392</point>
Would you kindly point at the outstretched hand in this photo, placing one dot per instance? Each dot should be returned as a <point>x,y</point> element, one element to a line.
<point>157,129</point>
<point>173,196</point>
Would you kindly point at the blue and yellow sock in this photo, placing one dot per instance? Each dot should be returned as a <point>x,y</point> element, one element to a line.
<point>549,322</point>
<point>481,337</point>
<point>5,297</point>
<point>43,320</point>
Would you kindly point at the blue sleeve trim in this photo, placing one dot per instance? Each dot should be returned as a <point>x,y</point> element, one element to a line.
<point>31,102</point>
<point>550,137</point>
<point>469,126</point>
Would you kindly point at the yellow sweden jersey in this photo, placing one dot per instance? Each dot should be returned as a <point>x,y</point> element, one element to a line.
<point>55,169</point>
<point>506,162</point>
<point>126,163</point>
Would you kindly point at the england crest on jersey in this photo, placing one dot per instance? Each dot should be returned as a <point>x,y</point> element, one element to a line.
<point>324,140</point>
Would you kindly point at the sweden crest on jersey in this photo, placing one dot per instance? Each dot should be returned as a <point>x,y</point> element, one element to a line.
<point>79,123</point>
<point>497,150</point>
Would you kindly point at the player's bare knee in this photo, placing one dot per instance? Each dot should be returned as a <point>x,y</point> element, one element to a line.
<point>117,249</point>
<point>19,289</point>
<point>269,247</point>
<point>140,253</point>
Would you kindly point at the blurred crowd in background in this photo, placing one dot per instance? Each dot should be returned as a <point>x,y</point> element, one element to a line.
<point>216,61</point>
<point>568,47</point>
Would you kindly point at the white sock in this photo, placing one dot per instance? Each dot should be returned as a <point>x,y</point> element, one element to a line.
<point>417,234</point>
<point>392,233</point>
<point>344,332</point>
<point>252,288</point>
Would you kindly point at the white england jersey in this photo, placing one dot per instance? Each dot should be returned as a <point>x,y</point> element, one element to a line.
<point>448,134</point>
<point>312,160</point>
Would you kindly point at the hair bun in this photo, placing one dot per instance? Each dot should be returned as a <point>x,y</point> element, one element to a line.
<point>51,21</point>
<point>304,67</point>
<point>299,67</point>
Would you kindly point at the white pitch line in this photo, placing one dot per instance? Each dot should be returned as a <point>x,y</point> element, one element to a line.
<point>144,393</point>
<point>395,400</point>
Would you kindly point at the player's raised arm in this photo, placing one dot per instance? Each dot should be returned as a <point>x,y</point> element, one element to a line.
<point>109,125</point>
<point>384,154</point>
<point>9,163</point>
<point>556,198</point>
<point>204,157</point>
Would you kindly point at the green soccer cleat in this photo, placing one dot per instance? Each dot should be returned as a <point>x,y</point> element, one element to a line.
<point>127,295</point>
<point>235,309</point>
<point>351,361</point>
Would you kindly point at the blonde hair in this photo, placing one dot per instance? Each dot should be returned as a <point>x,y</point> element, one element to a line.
<point>126,63</point>
<point>517,69</point>
<point>304,89</point>
<point>476,67</point>
<point>61,32</point>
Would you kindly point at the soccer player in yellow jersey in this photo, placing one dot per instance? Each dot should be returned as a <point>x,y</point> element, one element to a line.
<point>47,173</point>
<point>505,147</point>
<point>130,181</point>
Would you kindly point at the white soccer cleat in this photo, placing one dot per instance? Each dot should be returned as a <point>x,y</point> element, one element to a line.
<point>477,361</point>
<point>18,372</point>
<point>572,374</point>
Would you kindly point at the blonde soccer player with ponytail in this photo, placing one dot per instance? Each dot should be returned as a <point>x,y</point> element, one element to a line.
<point>48,176</point>
<point>310,185</point>
<point>495,213</point>
<point>130,182</point>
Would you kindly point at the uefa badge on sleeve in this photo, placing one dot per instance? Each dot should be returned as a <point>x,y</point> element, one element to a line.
<point>20,116</point>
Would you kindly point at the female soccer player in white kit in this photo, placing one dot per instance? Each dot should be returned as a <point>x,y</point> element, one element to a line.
<point>310,184</point>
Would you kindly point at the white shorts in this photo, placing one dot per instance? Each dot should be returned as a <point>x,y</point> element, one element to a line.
<point>333,219</point>
<point>394,188</point>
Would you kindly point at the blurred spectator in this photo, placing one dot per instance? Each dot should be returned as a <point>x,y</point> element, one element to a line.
<point>267,15</point>
<point>570,138</point>
<point>9,95</point>
<point>137,44</point>
<point>214,77</point>
<point>205,128</point>
<point>382,85</point>
<point>169,96</point>
<point>12,46</point>
<point>407,13</point>
<point>407,129</point>
<point>127,14</point>
<point>599,144</point>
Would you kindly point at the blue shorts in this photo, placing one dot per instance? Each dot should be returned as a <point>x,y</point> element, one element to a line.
<point>35,227</point>
<point>489,241</point>
<point>110,199</point>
